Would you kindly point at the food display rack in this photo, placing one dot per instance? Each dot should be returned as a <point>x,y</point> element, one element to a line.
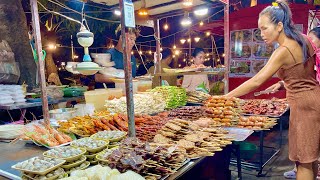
<point>259,166</point>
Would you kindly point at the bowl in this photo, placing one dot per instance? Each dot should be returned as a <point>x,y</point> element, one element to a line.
<point>103,56</point>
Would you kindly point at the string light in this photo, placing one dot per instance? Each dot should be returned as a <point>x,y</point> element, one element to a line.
<point>174,56</point>
<point>132,52</point>
<point>140,52</point>
<point>223,55</point>
<point>197,39</point>
<point>201,23</point>
<point>182,41</point>
<point>189,40</point>
<point>208,54</point>
<point>161,49</point>
<point>184,60</point>
<point>75,57</point>
<point>174,47</point>
<point>179,65</point>
<point>52,46</point>
<point>208,33</point>
<point>176,52</point>
<point>150,52</point>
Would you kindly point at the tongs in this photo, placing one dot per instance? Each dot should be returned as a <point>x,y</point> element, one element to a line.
<point>262,92</point>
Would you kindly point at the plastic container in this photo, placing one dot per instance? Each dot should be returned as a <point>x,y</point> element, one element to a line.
<point>144,85</point>
<point>98,97</point>
<point>247,150</point>
<point>63,113</point>
<point>122,86</point>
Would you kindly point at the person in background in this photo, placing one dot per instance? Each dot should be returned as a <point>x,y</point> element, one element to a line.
<point>191,82</point>
<point>165,62</point>
<point>314,36</point>
<point>144,66</point>
<point>117,57</point>
<point>294,62</point>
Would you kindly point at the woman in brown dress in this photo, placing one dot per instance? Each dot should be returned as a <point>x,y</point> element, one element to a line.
<point>294,63</point>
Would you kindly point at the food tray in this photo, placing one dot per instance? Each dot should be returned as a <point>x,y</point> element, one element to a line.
<point>72,129</point>
<point>50,178</point>
<point>75,164</point>
<point>39,144</point>
<point>86,166</point>
<point>266,115</point>
<point>99,158</point>
<point>176,169</point>
<point>40,172</point>
<point>91,156</point>
<point>92,150</point>
<point>111,140</point>
<point>68,159</point>
<point>94,162</point>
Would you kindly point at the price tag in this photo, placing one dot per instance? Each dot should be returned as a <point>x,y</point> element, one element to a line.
<point>129,19</point>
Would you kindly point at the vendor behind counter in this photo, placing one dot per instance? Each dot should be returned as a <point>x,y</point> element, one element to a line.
<point>117,57</point>
<point>166,60</point>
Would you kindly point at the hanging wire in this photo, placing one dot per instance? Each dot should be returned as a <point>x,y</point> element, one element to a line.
<point>91,17</point>
<point>69,18</point>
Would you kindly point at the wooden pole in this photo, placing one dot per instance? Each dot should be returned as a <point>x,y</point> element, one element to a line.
<point>158,46</point>
<point>127,73</point>
<point>37,37</point>
<point>226,47</point>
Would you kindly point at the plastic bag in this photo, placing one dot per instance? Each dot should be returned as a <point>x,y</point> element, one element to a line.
<point>202,88</point>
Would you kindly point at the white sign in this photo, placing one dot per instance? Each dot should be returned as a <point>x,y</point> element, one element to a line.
<point>129,20</point>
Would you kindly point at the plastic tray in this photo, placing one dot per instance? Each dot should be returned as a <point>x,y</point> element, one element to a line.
<point>50,178</point>
<point>40,172</point>
<point>91,156</point>
<point>92,150</point>
<point>110,140</point>
<point>49,147</point>
<point>68,159</point>
<point>86,166</point>
<point>75,164</point>
<point>99,158</point>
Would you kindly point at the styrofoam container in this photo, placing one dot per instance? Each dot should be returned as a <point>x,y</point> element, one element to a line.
<point>11,131</point>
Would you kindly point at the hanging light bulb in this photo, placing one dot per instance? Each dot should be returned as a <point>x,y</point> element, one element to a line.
<point>132,52</point>
<point>208,54</point>
<point>182,41</point>
<point>117,12</point>
<point>174,56</point>
<point>174,47</point>
<point>150,52</point>
<point>201,23</point>
<point>187,2</point>
<point>184,60</point>
<point>166,27</point>
<point>161,49</point>
<point>179,65</point>
<point>223,55</point>
<point>197,39</point>
<point>143,12</point>
<point>186,21</point>
<point>176,52</point>
<point>140,52</point>
<point>201,12</point>
<point>189,40</point>
<point>208,33</point>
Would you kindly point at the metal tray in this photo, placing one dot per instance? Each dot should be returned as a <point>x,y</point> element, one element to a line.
<point>266,115</point>
<point>176,169</point>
